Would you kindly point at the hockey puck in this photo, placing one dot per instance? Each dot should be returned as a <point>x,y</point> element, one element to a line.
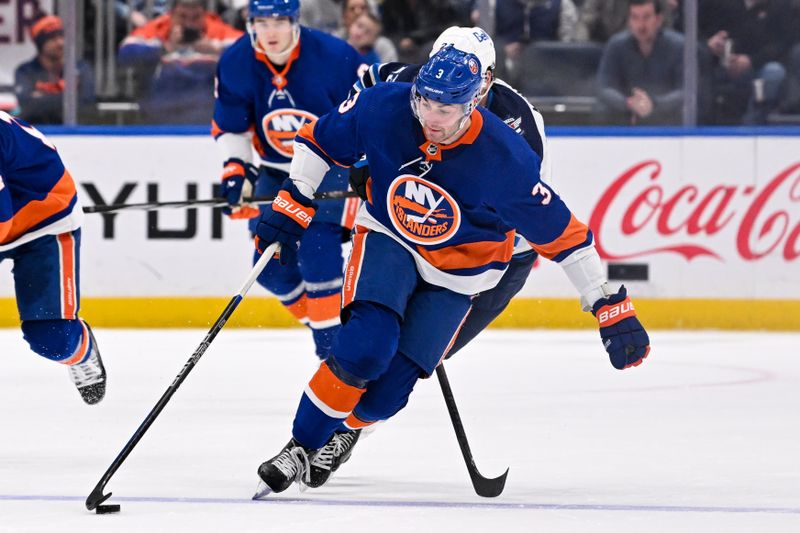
<point>105,509</point>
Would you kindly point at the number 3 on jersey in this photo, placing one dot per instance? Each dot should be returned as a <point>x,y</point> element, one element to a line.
<point>348,104</point>
<point>544,191</point>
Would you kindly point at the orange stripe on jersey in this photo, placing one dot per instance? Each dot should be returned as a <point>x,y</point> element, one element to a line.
<point>325,308</point>
<point>333,392</point>
<point>353,422</point>
<point>307,132</point>
<point>369,189</point>
<point>257,143</point>
<point>470,255</point>
<point>36,211</point>
<point>279,79</point>
<point>66,245</point>
<point>574,234</point>
<point>455,336</point>
<point>78,356</point>
<point>349,213</point>
<point>299,309</point>
<point>353,269</point>
<point>432,150</point>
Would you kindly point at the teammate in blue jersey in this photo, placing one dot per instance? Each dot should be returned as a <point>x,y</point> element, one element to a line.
<point>451,186</point>
<point>270,82</point>
<point>40,219</point>
<point>513,109</point>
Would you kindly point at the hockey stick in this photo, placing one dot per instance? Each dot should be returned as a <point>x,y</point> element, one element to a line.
<point>211,202</point>
<point>97,497</point>
<point>484,486</point>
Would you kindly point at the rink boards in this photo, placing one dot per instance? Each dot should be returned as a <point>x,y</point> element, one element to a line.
<point>706,222</point>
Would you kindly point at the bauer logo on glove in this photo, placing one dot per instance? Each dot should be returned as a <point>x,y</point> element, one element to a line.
<point>624,337</point>
<point>286,222</point>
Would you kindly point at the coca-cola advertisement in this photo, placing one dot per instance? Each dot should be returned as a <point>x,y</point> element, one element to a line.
<point>710,217</point>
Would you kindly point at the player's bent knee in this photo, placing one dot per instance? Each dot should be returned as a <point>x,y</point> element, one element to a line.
<point>377,411</point>
<point>53,339</point>
<point>368,340</point>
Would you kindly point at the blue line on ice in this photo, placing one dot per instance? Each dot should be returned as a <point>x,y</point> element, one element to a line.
<point>426,504</point>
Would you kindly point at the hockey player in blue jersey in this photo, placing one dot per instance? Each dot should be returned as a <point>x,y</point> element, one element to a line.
<point>40,219</point>
<point>270,82</point>
<point>451,186</point>
<point>512,108</point>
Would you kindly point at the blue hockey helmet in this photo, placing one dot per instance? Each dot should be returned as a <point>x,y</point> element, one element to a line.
<point>275,8</point>
<point>450,77</point>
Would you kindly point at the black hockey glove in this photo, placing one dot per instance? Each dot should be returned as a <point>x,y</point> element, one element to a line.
<point>359,178</point>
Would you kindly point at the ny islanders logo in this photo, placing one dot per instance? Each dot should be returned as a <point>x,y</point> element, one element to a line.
<point>280,127</point>
<point>421,211</point>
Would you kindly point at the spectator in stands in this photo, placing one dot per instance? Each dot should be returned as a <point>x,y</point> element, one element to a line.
<point>235,15</point>
<point>600,19</point>
<point>748,39</point>
<point>640,78</point>
<point>413,25</point>
<point>362,34</point>
<point>791,103</point>
<point>176,55</point>
<point>39,83</point>
<point>519,22</point>
<point>324,15</point>
<point>361,27</point>
<point>138,13</point>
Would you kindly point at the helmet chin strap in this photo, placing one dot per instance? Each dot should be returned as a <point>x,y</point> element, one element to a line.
<point>281,57</point>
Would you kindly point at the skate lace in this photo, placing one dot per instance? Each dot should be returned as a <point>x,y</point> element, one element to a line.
<point>294,464</point>
<point>336,447</point>
<point>86,373</point>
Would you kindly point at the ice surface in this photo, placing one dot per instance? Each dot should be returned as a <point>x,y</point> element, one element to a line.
<point>702,437</point>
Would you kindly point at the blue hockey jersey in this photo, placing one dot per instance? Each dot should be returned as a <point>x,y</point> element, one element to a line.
<point>37,194</point>
<point>275,102</point>
<point>501,100</point>
<point>455,207</point>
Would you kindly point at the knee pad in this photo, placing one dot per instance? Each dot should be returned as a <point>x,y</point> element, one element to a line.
<point>53,339</point>
<point>386,396</point>
<point>366,344</point>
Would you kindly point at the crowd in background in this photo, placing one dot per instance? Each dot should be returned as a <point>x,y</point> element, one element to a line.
<point>630,50</point>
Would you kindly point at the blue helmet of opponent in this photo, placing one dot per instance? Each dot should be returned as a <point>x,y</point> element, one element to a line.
<point>449,77</point>
<point>275,8</point>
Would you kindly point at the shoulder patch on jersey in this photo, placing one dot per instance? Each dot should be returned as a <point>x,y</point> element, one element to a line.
<point>280,127</point>
<point>421,211</point>
<point>514,123</point>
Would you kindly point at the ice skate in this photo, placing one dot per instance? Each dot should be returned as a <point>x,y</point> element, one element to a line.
<point>90,376</point>
<point>290,465</point>
<point>331,456</point>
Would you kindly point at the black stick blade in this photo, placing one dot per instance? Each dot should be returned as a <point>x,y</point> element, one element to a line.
<point>488,487</point>
<point>96,497</point>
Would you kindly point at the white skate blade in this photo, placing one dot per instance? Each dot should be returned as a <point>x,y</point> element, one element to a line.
<point>262,490</point>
